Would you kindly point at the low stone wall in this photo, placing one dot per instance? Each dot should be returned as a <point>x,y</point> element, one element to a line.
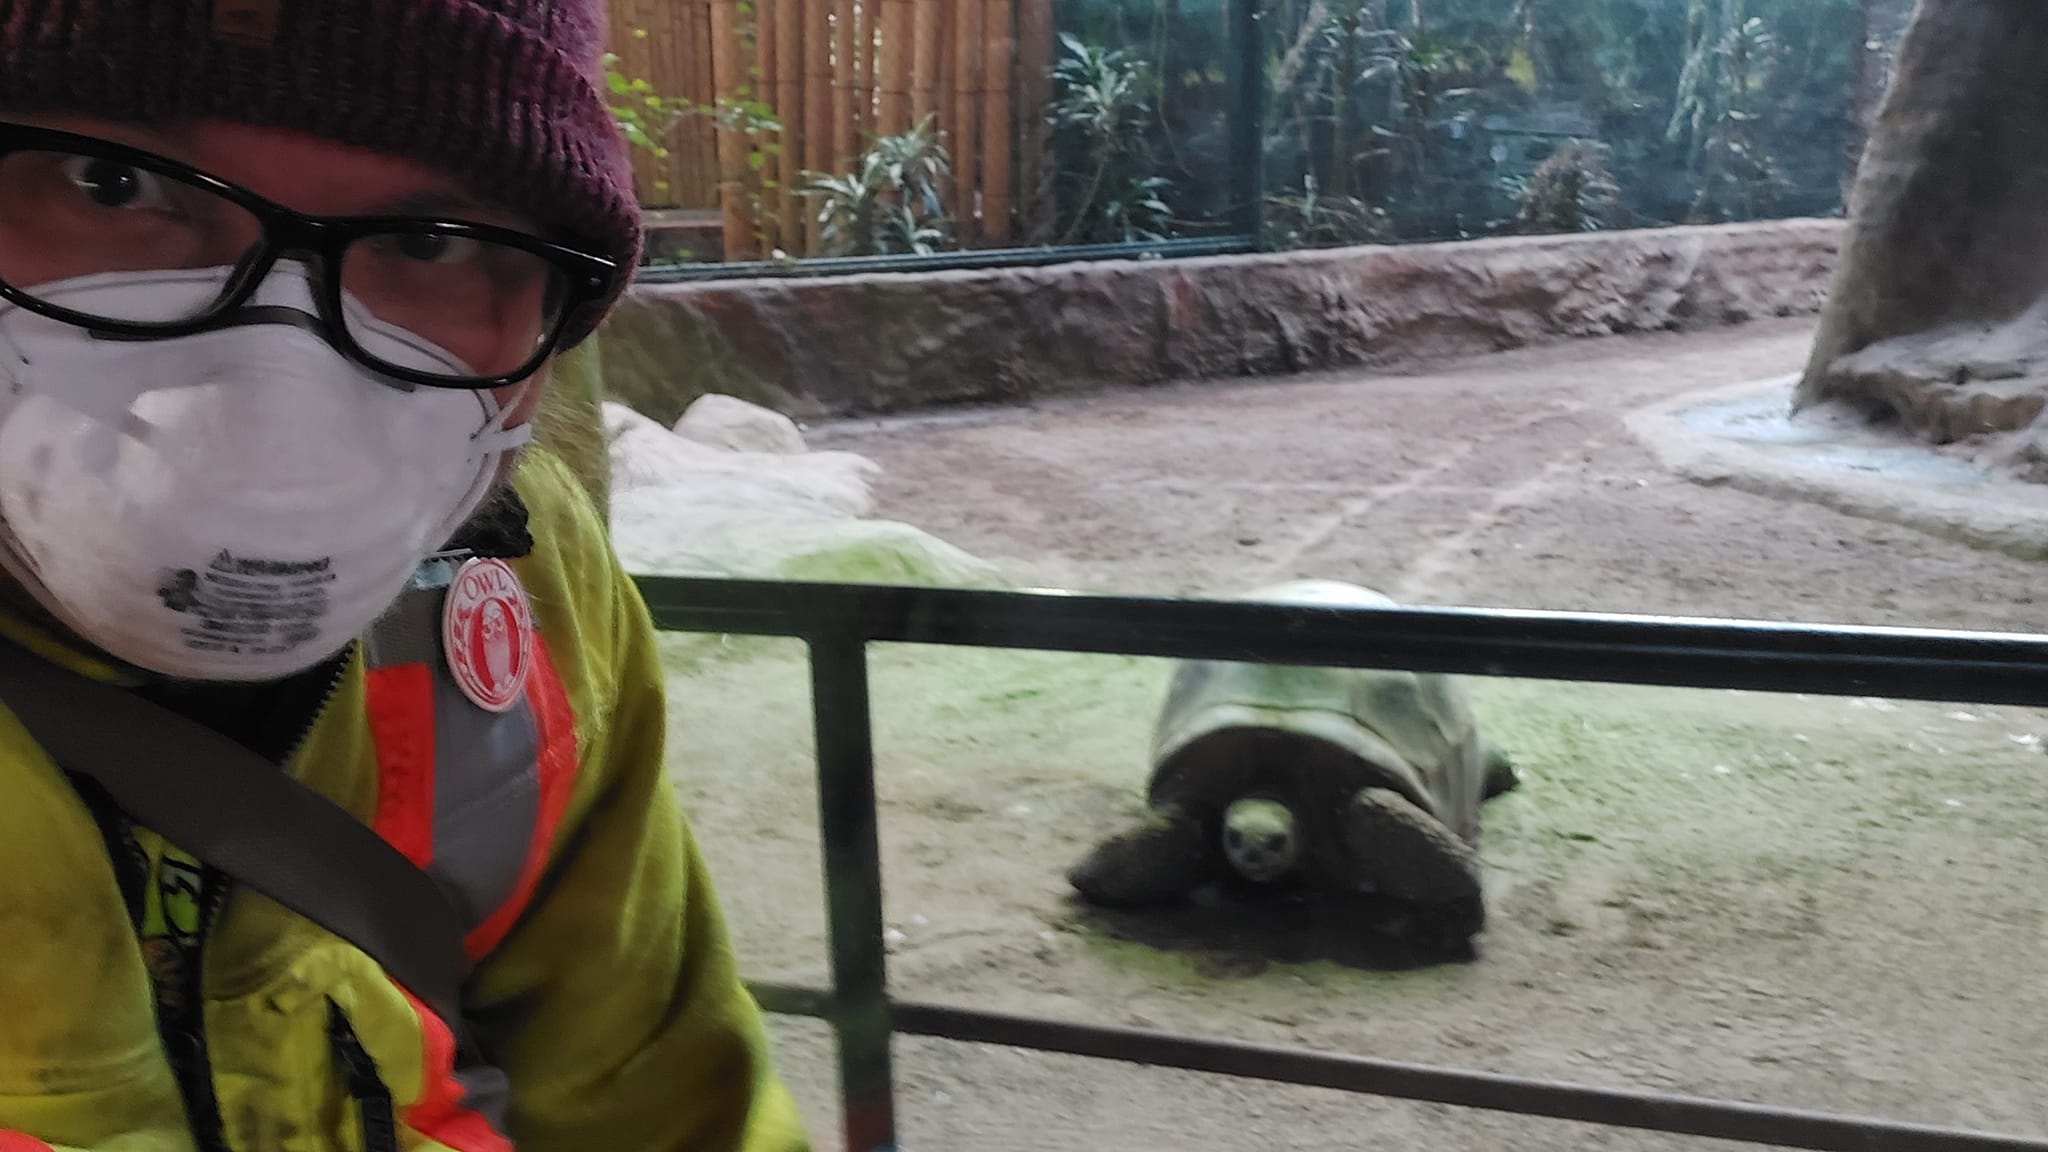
<point>879,343</point>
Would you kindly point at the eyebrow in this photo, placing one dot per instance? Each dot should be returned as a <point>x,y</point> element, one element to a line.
<point>167,136</point>
<point>180,135</point>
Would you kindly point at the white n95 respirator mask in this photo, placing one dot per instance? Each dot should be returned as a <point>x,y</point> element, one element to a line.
<point>235,505</point>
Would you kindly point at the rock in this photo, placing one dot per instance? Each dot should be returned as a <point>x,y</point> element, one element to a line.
<point>659,361</point>
<point>797,548</point>
<point>1935,314</point>
<point>1954,382</point>
<point>683,508</point>
<point>1981,368</point>
<point>644,455</point>
<point>730,422</point>
<point>656,536</point>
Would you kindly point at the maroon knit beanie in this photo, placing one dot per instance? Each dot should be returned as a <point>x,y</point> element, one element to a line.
<point>504,94</point>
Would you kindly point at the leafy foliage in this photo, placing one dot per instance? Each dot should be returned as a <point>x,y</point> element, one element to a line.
<point>1098,113</point>
<point>1571,191</point>
<point>645,117</point>
<point>1312,219</point>
<point>1386,120</point>
<point>1717,116</point>
<point>648,120</point>
<point>1440,112</point>
<point>891,204</point>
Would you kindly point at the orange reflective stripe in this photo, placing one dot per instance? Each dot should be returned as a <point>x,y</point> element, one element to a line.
<point>557,767</point>
<point>495,794</point>
<point>439,1114</point>
<point>400,702</point>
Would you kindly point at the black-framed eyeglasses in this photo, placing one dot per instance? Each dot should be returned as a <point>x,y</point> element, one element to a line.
<point>442,303</point>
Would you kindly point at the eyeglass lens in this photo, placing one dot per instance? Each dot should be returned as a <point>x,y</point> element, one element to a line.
<point>63,216</point>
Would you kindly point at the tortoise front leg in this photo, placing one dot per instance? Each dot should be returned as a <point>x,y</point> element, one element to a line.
<point>1159,860</point>
<point>1501,775</point>
<point>1403,852</point>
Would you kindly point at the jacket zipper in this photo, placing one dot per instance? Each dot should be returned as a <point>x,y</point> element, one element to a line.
<point>192,1060</point>
<point>186,1042</point>
<point>365,1086</point>
<point>334,680</point>
<point>183,1042</point>
<point>190,1055</point>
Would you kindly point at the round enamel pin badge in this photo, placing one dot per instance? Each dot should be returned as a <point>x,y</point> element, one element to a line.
<point>487,632</point>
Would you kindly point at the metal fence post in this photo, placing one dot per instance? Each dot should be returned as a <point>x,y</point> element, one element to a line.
<point>1247,127</point>
<point>853,889</point>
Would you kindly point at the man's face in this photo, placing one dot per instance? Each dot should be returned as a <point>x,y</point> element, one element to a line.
<point>301,172</point>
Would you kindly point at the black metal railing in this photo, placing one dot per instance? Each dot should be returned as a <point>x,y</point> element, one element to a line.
<point>838,622</point>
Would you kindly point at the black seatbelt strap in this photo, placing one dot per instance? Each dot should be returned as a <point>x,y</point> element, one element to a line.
<point>236,811</point>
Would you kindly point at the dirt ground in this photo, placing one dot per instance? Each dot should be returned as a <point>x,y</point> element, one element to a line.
<point>1816,902</point>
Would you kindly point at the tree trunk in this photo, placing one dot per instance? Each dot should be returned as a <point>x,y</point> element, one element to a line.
<point>1342,78</point>
<point>1933,318</point>
<point>1866,80</point>
<point>1879,24</point>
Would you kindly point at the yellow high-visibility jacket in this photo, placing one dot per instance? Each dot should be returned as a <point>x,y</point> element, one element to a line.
<point>606,993</point>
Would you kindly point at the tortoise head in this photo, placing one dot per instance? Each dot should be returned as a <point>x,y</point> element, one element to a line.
<point>1260,839</point>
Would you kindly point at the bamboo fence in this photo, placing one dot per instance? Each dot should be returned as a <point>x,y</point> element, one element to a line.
<point>833,75</point>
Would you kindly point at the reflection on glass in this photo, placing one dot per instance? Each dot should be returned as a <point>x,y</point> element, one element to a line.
<point>926,129</point>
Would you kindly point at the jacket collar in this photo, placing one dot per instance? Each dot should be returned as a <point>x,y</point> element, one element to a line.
<point>25,623</point>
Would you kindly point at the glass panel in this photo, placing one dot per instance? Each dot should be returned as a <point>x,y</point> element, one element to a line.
<point>1406,120</point>
<point>1141,112</point>
<point>1117,121</point>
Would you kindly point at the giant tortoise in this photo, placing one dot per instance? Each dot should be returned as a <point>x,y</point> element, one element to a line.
<point>1352,780</point>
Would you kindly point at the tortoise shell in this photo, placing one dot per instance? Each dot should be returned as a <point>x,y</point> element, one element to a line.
<point>1314,737</point>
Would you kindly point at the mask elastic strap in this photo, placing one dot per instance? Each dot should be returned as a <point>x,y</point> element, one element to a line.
<point>496,439</point>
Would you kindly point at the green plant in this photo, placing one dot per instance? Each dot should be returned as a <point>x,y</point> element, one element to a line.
<point>756,122</point>
<point>1135,211</point>
<point>1426,97</point>
<point>1571,191</point>
<point>648,119</point>
<point>891,203</point>
<point>1099,110</point>
<point>1717,113</point>
<point>1314,219</point>
<point>1405,105</point>
<point>644,116</point>
<point>750,118</point>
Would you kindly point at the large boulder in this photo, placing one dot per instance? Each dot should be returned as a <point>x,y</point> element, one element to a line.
<point>700,478</point>
<point>1935,316</point>
<point>1954,382</point>
<point>684,508</point>
<point>730,422</point>
<point>654,540</point>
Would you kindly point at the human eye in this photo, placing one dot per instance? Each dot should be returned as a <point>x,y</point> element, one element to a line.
<point>115,185</point>
<point>432,247</point>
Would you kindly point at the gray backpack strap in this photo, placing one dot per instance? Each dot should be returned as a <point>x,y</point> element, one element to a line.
<point>238,812</point>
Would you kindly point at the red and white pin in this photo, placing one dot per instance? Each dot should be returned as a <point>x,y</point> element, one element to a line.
<point>487,631</point>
